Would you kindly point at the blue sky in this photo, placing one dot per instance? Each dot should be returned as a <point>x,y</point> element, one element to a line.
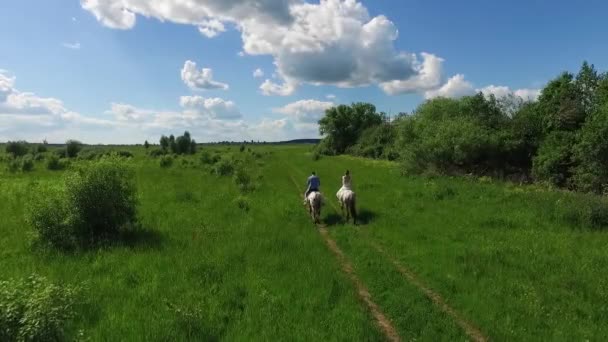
<point>105,74</point>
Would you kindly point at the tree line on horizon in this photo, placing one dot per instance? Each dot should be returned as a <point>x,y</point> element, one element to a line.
<point>559,139</point>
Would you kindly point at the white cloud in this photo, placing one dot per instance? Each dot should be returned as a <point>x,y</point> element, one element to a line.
<point>113,14</point>
<point>73,46</point>
<point>200,79</point>
<point>528,94</point>
<point>258,73</point>
<point>240,54</point>
<point>332,42</point>
<point>503,91</point>
<point>211,28</point>
<point>429,76</point>
<point>271,88</point>
<point>305,111</point>
<point>6,85</point>
<point>24,114</point>
<point>330,96</point>
<point>455,87</point>
<point>215,108</point>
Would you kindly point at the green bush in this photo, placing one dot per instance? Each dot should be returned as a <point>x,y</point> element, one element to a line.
<point>55,163</point>
<point>23,164</point>
<point>72,147</point>
<point>586,212</point>
<point>554,160</point>
<point>243,180</point>
<point>242,203</point>
<point>34,309</point>
<point>95,204</point>
<point>41,148</point>
<point>157,152</point>
<point>38,157</point>
<point>206,158</point>
<point>89,154</point>
<point>13,165</point>
<point>591,154</point>
<point>224,167</point>
<point>316,156</point>
<point>27,163</point>
<point>62,153</point>
<point>17,148</point>
<point>166,161</point>
<point>124,154</point>
<point>242,148</point>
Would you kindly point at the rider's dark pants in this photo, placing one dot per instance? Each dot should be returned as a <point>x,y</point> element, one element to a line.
<point>309,191</point>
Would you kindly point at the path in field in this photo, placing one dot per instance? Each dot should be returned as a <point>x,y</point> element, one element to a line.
<point>469,328</point>
<point>382,321</point>
<point>473,332</point>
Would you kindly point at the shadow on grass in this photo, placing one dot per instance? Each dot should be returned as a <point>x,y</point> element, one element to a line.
<point>332,219</point>
<point>365,216</point>
<point>141,238</point>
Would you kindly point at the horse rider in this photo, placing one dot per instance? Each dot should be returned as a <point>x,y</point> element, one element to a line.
<point>312,184</point>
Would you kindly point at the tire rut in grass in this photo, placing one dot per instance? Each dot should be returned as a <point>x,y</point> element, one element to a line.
<point>472,331</point>
<point>382,321</point>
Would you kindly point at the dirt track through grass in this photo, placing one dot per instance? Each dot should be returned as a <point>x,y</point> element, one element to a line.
<point>472,331</point>
<point>468,328</point>
<point>382,321</point>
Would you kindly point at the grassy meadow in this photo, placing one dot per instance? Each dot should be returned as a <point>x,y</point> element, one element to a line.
<point>211,263</point>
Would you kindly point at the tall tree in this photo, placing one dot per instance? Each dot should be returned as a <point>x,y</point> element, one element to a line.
<point>343,125</point>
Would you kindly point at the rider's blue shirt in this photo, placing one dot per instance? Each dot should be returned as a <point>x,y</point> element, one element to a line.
<point>313,182</point>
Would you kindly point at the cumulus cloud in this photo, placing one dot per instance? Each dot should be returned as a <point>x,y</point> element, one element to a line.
<point>216,107</point>
<point>271,88</point>
<point>258,73</point>
<point>200,79</point>
<point>72,46</point>
<point>455,87</point>
<point>305,111</point>
<point>25,114</point>
<point>113,14</point>
<point>211,28</point>
<point>429,76</point>
<point>503,91</point>
<point>332,42</point>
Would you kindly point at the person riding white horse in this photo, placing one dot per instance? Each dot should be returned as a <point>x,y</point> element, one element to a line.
<point>313,183</point>
<point>313,198</point>
<point>346,197</point>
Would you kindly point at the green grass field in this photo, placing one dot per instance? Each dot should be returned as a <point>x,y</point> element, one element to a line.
<point>516,262</point>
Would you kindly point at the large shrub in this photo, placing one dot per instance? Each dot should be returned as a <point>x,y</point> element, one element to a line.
<point>166,161</point>
<point>23,164</point>
<point>343,124</point>
<point>243,180</point>
<point>553,163</point>
<point>72,147</point>
<point>17,148</point>
<point>35,309</point>
<point>224,167</point>
<point>376,142</point>
<point>591,154</point>
<point>94,205</point>
<point>53,162</point>
<point>27,163</point>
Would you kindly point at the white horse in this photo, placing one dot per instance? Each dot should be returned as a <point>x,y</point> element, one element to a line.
<point>347,200</point>
<point>314,201</point>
